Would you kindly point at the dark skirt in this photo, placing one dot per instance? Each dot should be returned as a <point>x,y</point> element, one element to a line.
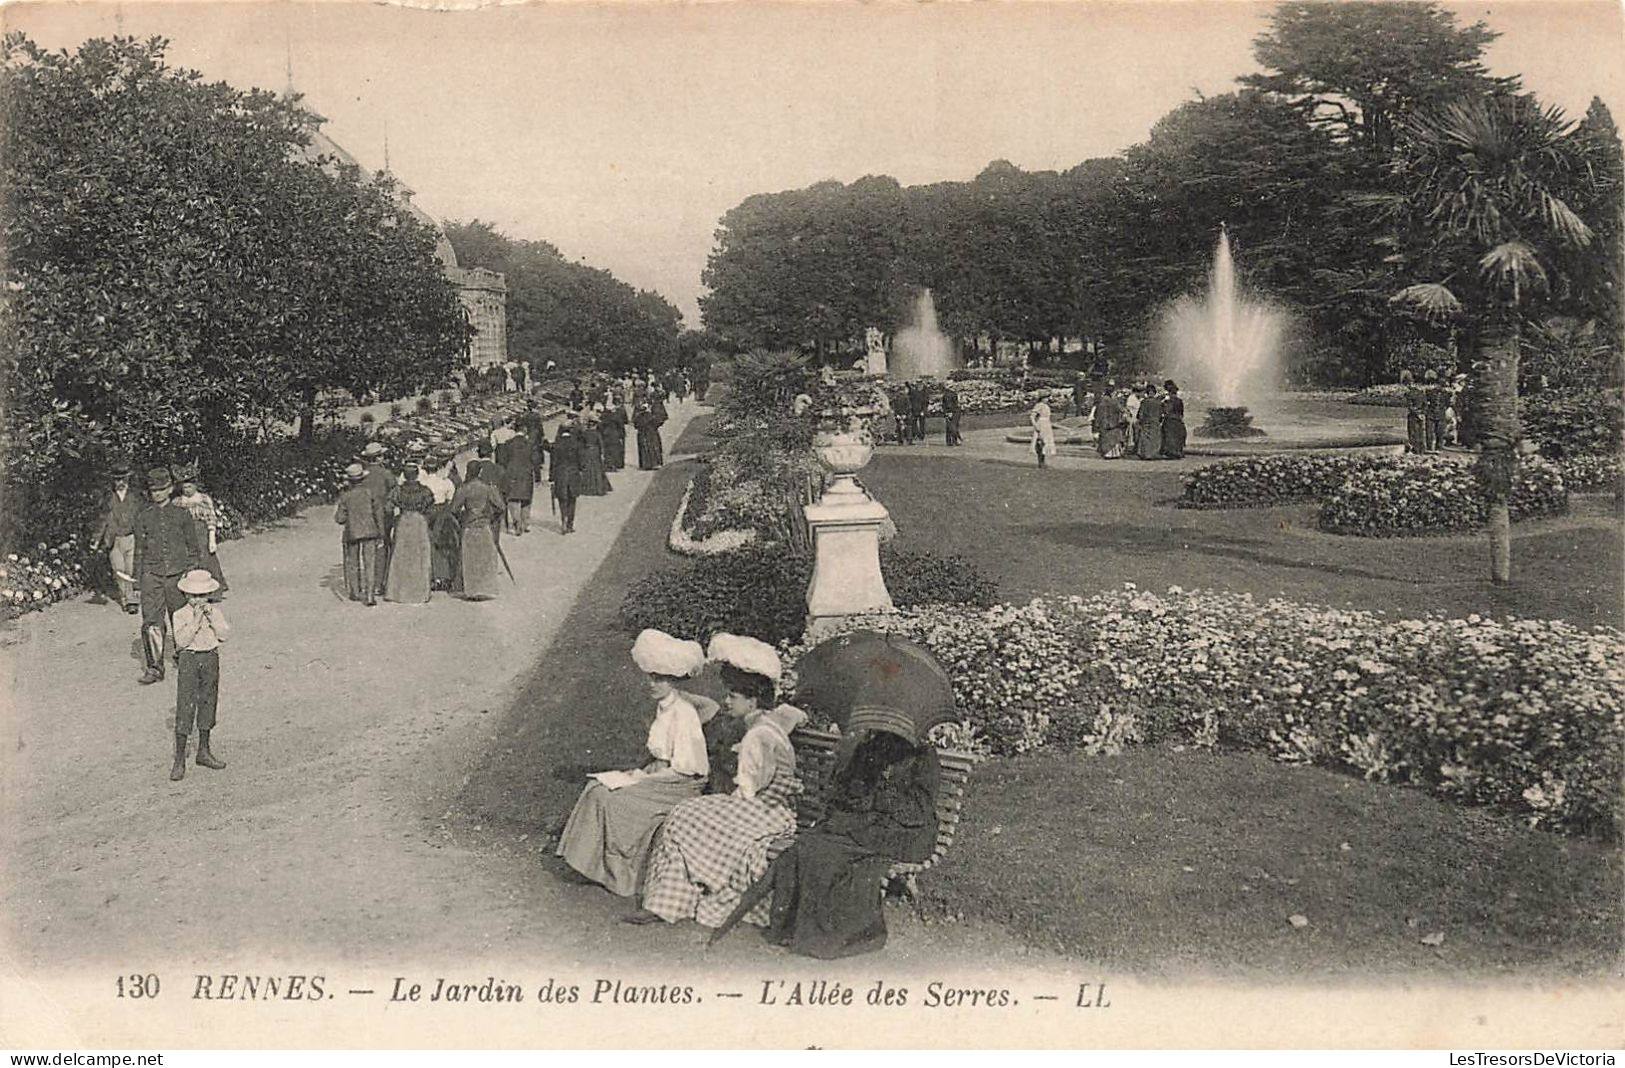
<point>594,483</point>
<point>1149,443</point>
<point>1173,438</point>
<point>649,449</point>
<point>614,450</point>
<point>826,897</point>
<point>445,550</point>
<point>212,563</point>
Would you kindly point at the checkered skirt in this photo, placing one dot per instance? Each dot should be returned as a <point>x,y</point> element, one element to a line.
<point>709,852</point>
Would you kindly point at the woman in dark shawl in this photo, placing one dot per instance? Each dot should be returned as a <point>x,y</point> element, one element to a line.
<point>1173,422</point>
<point>1149,444</point>
<point>613,429</point>
<point>882,810</point>
<point>648,437</point>
<point>594,483</point>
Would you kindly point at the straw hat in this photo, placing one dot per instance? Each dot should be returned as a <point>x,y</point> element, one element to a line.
<point>355,472</point>
<point>198,582</point>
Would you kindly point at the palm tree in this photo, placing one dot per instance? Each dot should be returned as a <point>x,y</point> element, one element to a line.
<point>1484,175</point>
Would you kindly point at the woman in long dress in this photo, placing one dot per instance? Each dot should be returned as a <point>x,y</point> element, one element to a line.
<point>1109,424</point>
<point>614,431</point>
<point>1043,432</point>
<point>445,536</point>
<point>206,516</point>
<point>713,848</point>
<point>648,437</point>
<point>477,508</point>
<point>882,810</point>
<point>594,483</point>
<point>1173,422</point>
<point>610,832</point>
<point>409,562</point>
<point>1149,445</point>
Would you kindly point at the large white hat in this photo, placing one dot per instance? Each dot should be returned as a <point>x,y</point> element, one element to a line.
<point>198,582</point>
<point>657,653</point>
<point>746,654</point>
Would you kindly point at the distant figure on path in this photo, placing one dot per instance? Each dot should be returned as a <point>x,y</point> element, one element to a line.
<point>611,831</point>
<point>380,481</point>
<point>1043,432</point>
<point>116,535</point>
<point>594,483</point>
<point>1173,422</point>
<point>361,514</point>
<point>410,566</point>
<point>566,452</point>
<point>166,547</point>
<point>518,468</point>
<point>1415,414</point>
<point>613,428</point>
<point>1109,425</point>
<point>950,412</point>
<point>1148,445</point>
<point>648,429</point>
<point>200,627</point>
<point>1435,401</point>
<point>478,509</point>
<point>1132,399</point>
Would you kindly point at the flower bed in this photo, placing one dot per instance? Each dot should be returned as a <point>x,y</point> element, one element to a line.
<point>1582,422</point>
<point>681,540</point>
<point>1266,481</point>
<point>1527,715</point>
<point>1429,494</point>
<point>1388,395</point>
<point>1593,474</point>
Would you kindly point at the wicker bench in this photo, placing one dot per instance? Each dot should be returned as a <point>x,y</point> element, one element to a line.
<point>815,766</point>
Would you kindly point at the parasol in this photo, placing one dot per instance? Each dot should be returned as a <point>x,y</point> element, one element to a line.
<point>867,680</point>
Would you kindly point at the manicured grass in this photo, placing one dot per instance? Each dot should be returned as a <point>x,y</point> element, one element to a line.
<point>1167,862</point>
<point>1080,531</point>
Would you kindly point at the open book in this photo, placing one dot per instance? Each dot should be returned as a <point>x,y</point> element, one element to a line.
<point>614,780</point>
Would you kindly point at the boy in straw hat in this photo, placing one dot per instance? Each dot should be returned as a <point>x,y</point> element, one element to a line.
<point>612,827</point>
<point>361,513</point>
<point>200,627</point>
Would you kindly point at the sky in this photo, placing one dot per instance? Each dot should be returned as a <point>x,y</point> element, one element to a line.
<point>622,132</point>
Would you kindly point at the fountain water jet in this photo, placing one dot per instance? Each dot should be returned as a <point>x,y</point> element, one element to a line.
<point>921,348</point>
<point>1223,342</point>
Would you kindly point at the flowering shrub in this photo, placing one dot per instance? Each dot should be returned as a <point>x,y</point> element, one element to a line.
<point>1579,422</point>
<point>976,395</point>
<point>1265,481</point>
<point>762,591</point>
<point>1387,395</point>
<point>52,573</point>
<point>1528,715</point>
<point>1593,474</point>
<point>1426,494</point>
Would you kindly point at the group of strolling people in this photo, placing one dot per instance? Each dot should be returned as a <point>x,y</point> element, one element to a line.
<point>1431,411</point>
<point>703,827</point>
<point>1137,420</point>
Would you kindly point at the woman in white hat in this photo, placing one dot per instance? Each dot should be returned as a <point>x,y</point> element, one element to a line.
<point>713,848</point>
<point>613,824</point>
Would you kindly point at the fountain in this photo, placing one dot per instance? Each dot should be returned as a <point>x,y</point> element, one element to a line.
<point>921,348</point>
<point>1222,342</point>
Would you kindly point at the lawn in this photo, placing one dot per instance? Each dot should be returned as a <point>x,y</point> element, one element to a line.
<point>1089,856</point>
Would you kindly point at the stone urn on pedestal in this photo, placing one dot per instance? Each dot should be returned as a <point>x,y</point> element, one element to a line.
<point>846,525</point>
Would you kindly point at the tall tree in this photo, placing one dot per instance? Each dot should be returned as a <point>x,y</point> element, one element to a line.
<point>1487,177</point>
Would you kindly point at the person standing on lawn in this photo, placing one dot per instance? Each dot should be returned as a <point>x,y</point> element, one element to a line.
<point>1173,422</point>
<point>1435,400</point>
<point>200,627</point>
<point>1109,423</point>
<point>116,534</point>
<point>166,547</point>
<point>1043,432</point>
<point>361,514</point>
<point>1131,418</point>
<point>950,413</point>
<point>203,511</point>
<point>610,832</point>
<point>712,849</point>
<point>1415,414</point>
<point>1148,437</point>
<point>565,469</point>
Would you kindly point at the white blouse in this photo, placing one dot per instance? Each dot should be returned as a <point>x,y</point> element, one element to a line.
<point>675,737</point>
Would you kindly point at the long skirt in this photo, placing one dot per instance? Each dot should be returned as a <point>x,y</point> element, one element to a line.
<point>1173,438</point>
<point>649,449</point>
<point>479,562</point>
<point>614,452</point>
<point>594,483</point>
<point>1149,446</point>
<point>446,552</point>
<point>1110,442</point>
<point>709,853</point>
<point>611,832</point>
<point>826,897</point>
<point>409,563</point>
<point>1415,432</point>
<point>211,561</point>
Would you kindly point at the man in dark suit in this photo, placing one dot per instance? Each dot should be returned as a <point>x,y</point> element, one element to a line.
<point>919,402</point>
<point>566,454</point>
<point>950,411</point>
<point>381,483</point>
<point>167,546</point>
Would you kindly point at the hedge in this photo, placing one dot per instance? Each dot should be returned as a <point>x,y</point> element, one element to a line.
<point>1432,495</point>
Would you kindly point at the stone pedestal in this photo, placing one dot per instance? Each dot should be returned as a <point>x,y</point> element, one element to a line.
<point>846,578</point>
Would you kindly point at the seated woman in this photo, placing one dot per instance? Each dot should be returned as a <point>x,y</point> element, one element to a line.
<point>612,827</point>
<point>713,848</point>
<point>882,810</point>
